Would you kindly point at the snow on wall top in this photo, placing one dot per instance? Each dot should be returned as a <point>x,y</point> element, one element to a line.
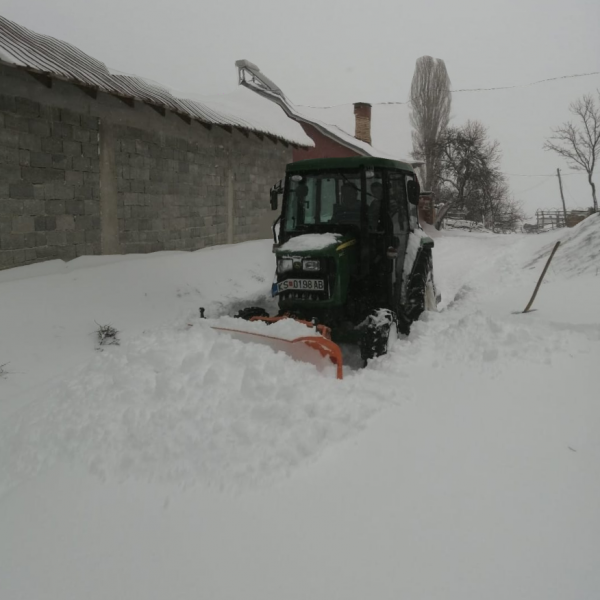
<point>338,122</point>
<point>24,48</point>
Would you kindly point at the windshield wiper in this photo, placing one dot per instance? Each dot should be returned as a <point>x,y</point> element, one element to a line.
<point>350,182</point>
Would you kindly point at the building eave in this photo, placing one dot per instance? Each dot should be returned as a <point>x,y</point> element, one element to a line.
<point>47,59</point>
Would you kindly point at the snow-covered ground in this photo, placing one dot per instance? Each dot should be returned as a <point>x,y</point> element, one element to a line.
<point>187,464</point>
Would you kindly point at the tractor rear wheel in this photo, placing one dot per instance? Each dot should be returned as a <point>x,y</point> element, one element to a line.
<point>380,332</point>
<point>430,294</point>
<point>421,289</point>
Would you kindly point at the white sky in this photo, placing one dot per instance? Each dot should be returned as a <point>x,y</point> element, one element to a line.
<point>332,51</point>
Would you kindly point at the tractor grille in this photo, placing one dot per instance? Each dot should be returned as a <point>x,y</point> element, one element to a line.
<point>311,296</point>
<point>328,274</point>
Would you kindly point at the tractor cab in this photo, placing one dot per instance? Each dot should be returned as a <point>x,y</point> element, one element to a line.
<point>346,222</point>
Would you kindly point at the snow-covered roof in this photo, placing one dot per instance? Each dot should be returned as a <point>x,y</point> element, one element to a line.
<point>49,56</point>
<point>264,116</point>
<point>337,122</point>
<point>391,129</point>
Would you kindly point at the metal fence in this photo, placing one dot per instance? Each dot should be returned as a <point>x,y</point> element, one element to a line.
<point>553,219</point>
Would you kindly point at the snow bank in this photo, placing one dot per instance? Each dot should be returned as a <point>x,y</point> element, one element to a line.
<point>579,251</point>
<point>50,312</point>
<point>188,405</point>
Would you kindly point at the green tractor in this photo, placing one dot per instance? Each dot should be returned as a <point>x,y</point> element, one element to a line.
<point>350,252</point>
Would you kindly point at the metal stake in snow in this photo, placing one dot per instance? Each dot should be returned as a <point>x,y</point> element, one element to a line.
<point>562,196</point>
<point>537,287</point>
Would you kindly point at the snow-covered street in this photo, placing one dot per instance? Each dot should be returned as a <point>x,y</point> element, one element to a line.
<point>185,464</point>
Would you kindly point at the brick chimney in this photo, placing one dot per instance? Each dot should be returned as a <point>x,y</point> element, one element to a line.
<point>362,115</point>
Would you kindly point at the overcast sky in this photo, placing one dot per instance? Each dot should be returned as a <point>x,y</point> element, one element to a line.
<point>331,51</point>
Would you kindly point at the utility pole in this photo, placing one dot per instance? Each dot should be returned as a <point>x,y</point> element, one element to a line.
<point>562,195</point>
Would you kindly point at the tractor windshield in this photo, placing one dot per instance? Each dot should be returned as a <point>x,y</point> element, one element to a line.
<point>322,198</point>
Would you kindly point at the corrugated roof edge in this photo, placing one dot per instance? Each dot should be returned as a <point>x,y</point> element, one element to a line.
<point>261,84</point>
<point>353,162</point>
<point>49,58</point>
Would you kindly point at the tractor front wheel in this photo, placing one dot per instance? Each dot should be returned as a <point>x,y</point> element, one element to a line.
<point>380,332</point>
<point>251,311</point>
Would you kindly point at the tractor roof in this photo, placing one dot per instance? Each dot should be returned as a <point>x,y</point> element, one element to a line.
<point>354,162</point>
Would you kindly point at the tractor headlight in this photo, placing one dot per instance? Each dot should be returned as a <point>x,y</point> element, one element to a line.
<point>284,264</point>
<point>311,264</point>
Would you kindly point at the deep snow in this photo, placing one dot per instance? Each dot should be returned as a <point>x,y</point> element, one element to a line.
<point>185,464</point>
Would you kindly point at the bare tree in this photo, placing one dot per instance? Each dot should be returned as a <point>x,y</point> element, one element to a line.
<point>430,112</point>
<point>467,162</point>
<point>499,211</point>
<point>470,178</point>
<point>579,142</point>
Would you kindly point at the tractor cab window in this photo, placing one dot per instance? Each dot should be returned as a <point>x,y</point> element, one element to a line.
<point>328,198</point>
<point>347,208</point>
<point>374,200</point>
<point>398,202</point>
<point>316,198</point>
<point>302,204</point>
<point>412,210</point>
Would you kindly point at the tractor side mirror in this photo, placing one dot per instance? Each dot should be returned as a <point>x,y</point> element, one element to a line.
<point>427,243</point>
<point>274,193</point>
<point>414,190</point>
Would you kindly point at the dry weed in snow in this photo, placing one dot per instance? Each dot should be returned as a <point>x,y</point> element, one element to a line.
<point>107,335</point>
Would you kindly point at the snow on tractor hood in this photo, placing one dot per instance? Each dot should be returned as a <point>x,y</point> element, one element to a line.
<point>311,241</point>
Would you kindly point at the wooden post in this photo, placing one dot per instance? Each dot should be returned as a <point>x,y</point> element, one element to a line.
<point>562,197</point>
<point>537,287</point>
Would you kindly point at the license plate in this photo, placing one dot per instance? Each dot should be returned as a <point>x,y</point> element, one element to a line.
<point>301,285</point>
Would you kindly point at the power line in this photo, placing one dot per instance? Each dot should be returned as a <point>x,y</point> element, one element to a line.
<point>350,104</point>
<point>490,89</point>
<point>544,175</point>
<point>536,185</point>
<point>510,87</point>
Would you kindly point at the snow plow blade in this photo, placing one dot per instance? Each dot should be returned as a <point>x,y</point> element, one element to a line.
<point>314,349</point>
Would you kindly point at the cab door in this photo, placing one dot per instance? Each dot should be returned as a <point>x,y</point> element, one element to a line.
<point>398,211</point>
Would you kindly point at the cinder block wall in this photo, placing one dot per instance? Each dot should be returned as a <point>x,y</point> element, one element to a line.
<point>49,182</point>
<point>95,176</point>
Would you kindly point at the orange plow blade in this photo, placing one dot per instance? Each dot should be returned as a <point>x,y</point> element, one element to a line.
<point>313,349</point>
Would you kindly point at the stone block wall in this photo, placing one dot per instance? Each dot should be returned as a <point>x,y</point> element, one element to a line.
<point>172,192</point>
<point>184,194</point>
<point>49,183</point>
<point>251,183</point>
<point>82,175</point>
